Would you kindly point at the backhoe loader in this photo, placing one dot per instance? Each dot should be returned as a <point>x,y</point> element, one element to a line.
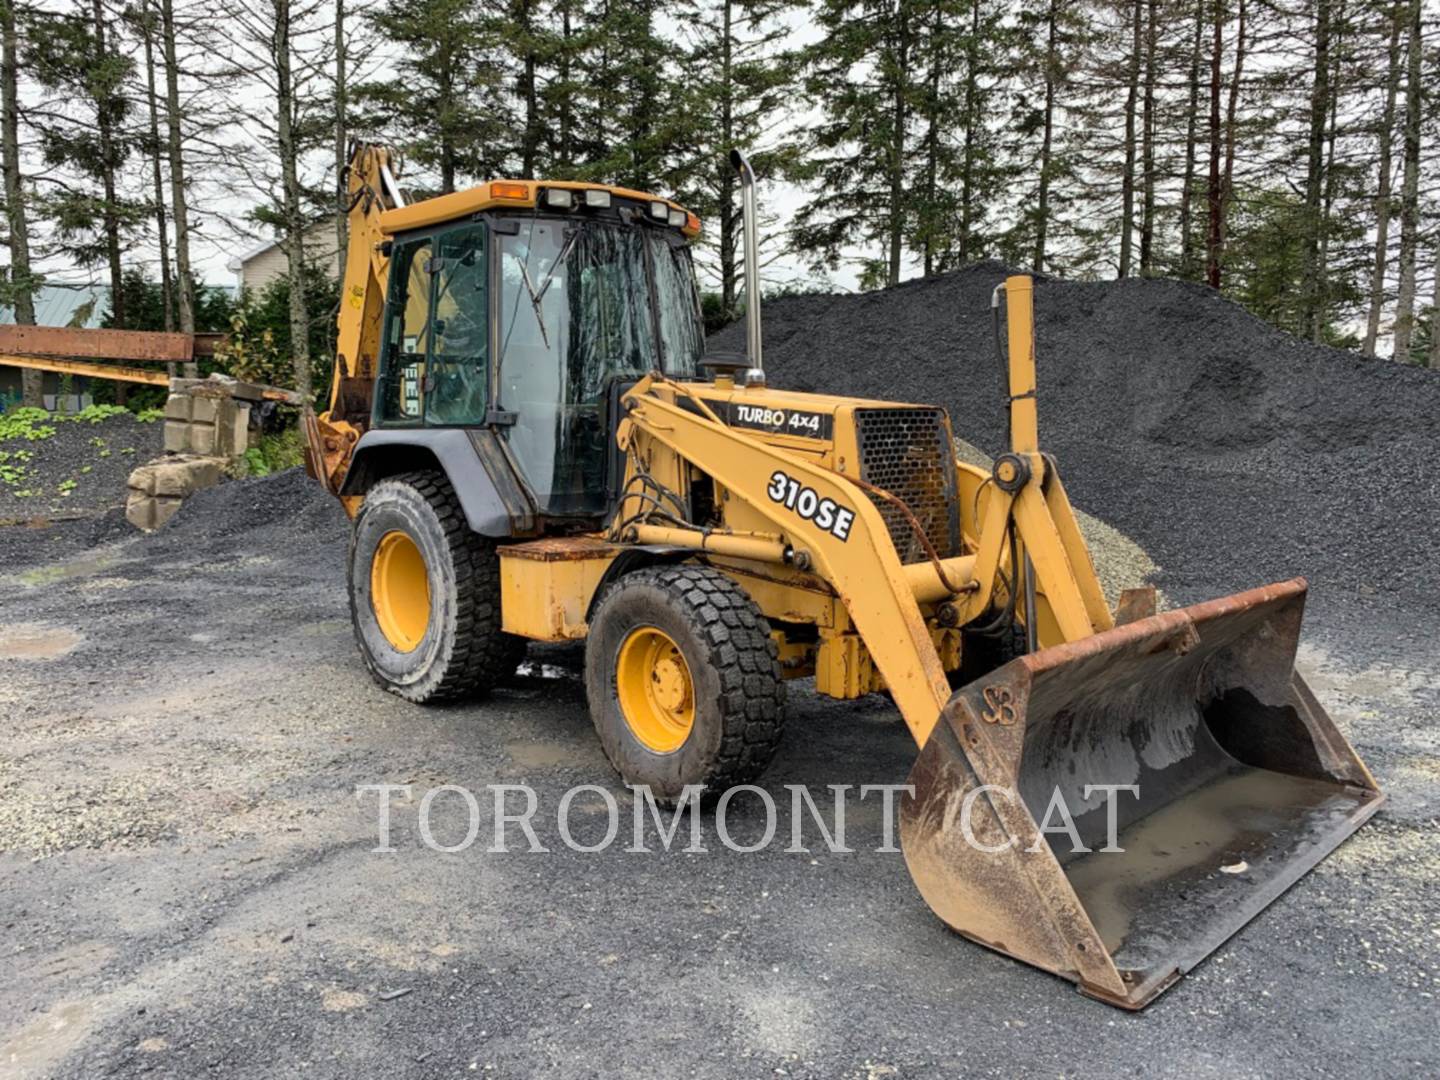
<point>535,445</point>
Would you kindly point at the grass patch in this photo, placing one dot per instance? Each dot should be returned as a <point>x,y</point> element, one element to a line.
<point>275,453</point>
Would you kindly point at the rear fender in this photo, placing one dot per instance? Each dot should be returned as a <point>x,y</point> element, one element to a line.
<point>494,501</point>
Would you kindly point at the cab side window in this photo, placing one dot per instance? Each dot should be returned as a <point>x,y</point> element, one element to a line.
<point>458,385</point>
<point>408,331</point>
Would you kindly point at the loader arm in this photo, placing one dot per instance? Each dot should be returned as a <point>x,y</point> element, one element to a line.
<point>857,559</point>
<point>330,438</point>
<point>1029,494</point>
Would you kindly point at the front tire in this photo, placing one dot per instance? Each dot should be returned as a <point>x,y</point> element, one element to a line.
<point>425,593</point>
<point>683,681</point>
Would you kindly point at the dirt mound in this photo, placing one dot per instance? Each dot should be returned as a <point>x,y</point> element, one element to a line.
<point>1232,452</point>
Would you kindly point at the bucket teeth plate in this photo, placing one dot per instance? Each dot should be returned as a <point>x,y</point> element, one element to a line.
<point>1113,809</point>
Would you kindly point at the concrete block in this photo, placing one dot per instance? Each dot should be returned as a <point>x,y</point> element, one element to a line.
<point>177,407</point>
<point>165,509</point>
<point>205,410</point>
<point>142,480</point>
<point>232,435</point>
<point>202,439</point>
<point>140,510</point>
<point>177,436</point>
<point>149,512</point>
<point>177,479</point>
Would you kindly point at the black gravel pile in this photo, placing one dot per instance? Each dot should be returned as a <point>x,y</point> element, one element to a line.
<point>1234,453</point>
<point>284,513</point>
<point>79,470</point>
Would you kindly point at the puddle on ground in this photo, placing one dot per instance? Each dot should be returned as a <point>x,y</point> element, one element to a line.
<point>546,755</point>
<point>49,575</point>
<point>26,642</point>
<point>36,1048</point>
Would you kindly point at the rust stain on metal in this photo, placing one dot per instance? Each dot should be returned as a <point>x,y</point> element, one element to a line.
<point>64,341</point>
<point>562,549</point>
<point>1224,757</point>
<point>93,371</point>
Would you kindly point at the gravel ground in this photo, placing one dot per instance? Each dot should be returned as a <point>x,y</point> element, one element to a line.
<point>188,874</point>
<point>97,457</point>
<point>190,887</point>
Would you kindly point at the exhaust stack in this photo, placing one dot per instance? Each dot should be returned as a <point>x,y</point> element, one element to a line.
<point>755,375</point>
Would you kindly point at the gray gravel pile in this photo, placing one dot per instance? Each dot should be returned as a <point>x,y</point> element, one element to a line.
<point>1231,452</point>
<point>287,512</point>
<point>81,469</point>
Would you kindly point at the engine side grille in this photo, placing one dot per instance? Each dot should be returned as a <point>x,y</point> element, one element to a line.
<point>907,452</point>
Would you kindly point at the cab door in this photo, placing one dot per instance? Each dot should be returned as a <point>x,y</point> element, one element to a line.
<point>435,357</point>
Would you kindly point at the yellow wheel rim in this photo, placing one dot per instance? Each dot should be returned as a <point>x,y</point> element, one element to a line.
<point>657,695</point>
<point>400,591</point>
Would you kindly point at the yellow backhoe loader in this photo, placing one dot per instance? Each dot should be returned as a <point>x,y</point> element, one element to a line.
<point>535,445</point>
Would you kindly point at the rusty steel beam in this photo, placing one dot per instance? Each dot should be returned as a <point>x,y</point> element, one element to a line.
<point>206,342</point>
<point>93,371</point>
<point>134,345</point>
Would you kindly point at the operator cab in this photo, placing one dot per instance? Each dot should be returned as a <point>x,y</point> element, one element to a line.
<point>525,319</point>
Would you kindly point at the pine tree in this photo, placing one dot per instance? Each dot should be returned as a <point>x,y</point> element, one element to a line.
<point>147,25</point>
<point>20,283</point>
<point>631,132</point>
<point>74,55</point>
<point>1410,187</point>
<point>739,83</point>
<point>1385,138</point>
<point>446,105</point>
<point>963,51</point>
<point>865,77</point>
<point>1053,39</point>
<point>176,121</point>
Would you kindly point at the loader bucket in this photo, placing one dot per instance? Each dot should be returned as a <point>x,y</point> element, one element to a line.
<point>1239,783</point>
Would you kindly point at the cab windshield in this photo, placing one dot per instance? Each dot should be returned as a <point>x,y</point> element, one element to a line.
<point>583,305</point>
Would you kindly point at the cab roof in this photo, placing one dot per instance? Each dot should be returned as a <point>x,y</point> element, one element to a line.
<point>516,194</point>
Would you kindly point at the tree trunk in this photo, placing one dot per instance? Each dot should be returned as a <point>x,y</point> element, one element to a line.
<point>1192,124</point>
<point>1327,200</point>
<point>294,223</point>
<point>32,383</point>
<point>530,147</point>
<point>930,234</point>
<point>342,138</point>
<point>162,230</point>
<point>1214,197</point>
<point>1310,287</point>
<point>1147,146</point>
<point>1232,108</point>
<point>1042,202</point>
<point>566,152</point>
<point>179,210</point>
<point>1409,192</point>
<point>445,64</point>
<point>967,168</point>
<point>1435,313</point>
<point>1127,178</point>
<point>729,277</point>
<point>898,119</point>
<point>1382,195</point>
<point>105,133</point>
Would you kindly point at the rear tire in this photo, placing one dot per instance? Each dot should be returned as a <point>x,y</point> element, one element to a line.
<point>708,704</point>
<point>425,593</point>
